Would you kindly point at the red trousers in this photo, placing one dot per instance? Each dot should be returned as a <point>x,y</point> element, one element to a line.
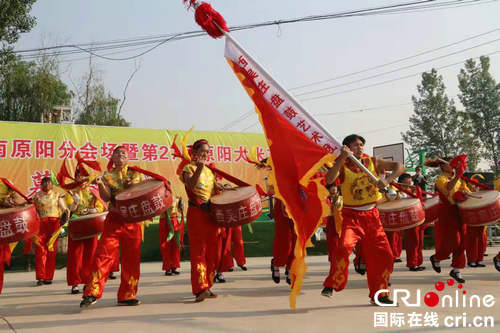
<point>449,232</point>
<point>396,242</point>
<point>475,240</point>
<point>203,248</point>
<point>170,252</point>
<point>414,244</point>
<point>284,238</point>
<point>237,252</point>
<point>4,260</point>
<point>45,260</point>
<point>116,233</point>
<point>332,238</point>
<point>80,256</point>
<point>362,226</point>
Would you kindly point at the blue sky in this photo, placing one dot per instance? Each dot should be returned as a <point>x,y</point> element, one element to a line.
<point>188,82</point>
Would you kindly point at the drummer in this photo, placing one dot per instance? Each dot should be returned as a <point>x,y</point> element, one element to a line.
<point>116,233</point>
<point>414,237</point>
<point>496,259</point>
<point>361,219</point>
<point>52,210</point>
<point>170,248</point>
<point>200,185</point>
<point>81,200</point>
<point>449,230</point>
<point>475,239</point>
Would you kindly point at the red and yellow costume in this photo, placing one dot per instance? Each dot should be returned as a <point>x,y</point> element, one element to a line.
<point>475,243</point>
<point>81,252</point>
<point>202,230</point>
<point>449,231</point>
<point>237,252</point>
<point>47,205</point>
<point>496,186</point>
<point>361,222</point>
<point>334,227</point>
<point>170,251</point>
<point>284,237</point>
<point>5,193</point>
<point>414,244</point>
<point>395,239</point>
<point>116,233</point>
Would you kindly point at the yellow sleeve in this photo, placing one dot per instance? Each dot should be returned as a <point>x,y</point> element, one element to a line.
<point>4,190</point>
<point>137,177</point>
<point>68,199</point>
<point>442,184</point>
<point>497,184</point>
<point>189,170</point>
<point>99,206</point>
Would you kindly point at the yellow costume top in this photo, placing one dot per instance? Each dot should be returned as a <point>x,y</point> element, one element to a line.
<point>87,201</point>
<point>115,179</point>
<point>47,204</point>
<point>5,192</point>
<point>442,186</point>
<point>205,187</point>
<point>496,184</point>
<point>356,186</point>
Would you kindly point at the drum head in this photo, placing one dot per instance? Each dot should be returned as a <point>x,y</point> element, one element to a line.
<point>398,204</point>
<point>487,198</point>
<point>88,216</point>
<point>431,202</point>
<point>14,209</point>
<point>236,195</point>
<point>140,189</point>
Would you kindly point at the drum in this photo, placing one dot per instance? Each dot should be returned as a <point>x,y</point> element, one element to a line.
<point>479,212</point>
<point>143,201</point>
<point>18,223</point>
<point>236,207</point>
<point>86,226</point>
<point>401,214</point>
<point>431,210</point>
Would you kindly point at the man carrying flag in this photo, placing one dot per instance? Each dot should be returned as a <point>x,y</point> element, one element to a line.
<point>361,219</point>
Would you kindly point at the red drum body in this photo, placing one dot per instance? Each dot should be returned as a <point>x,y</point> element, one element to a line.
<point>236,207</point>
<point>401,214</point>
<point>18,223</point>
<point>86,226</point>
<point>480,212</point>
<point>143,201</point>
<point>431,206</point>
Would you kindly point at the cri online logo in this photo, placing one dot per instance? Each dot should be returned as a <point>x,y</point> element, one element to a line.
<point>432,299</point>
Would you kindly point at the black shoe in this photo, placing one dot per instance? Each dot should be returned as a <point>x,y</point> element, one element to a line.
<point>437,269</point>
<point>417,269</point>
<point>359,269</point>
<point>39,282</point>
<point>454,275</point>
<point>243,267</point>
<point>497,263</point>
<point>111,276</point>
<point>287,278</point>
<point>129,302</point>
<point>168,273</point>
<point>472,264</point>
<point>47,281</point>
<point>75,290</point>
<point>175,272</point>
<point>219,278</point>
<point>327,292</point>
<point>478,264</point>
<point>398,260</point>
<point>88,301</point>
<point>230,269</point>
<point>200,297</point>
<point>275,272</point>
<point>383,300</point>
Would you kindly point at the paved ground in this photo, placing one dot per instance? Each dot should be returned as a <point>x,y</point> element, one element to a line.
<point>249,301</point>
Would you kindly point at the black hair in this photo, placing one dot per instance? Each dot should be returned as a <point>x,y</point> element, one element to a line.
<point>46,180</point>
<point>403,177</point>
<point>351,138</point>
<point>198,143</point>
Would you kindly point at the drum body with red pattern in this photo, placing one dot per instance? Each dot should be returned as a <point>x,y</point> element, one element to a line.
<point>401,214</point>
<point>236,207</point>
<point>481,211</point>
<point>143,201</point>
<point>431,206</point>
<point>18,223</point>
<point>86,226</point>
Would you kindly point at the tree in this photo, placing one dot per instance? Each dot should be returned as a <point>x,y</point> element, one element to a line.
<point>14,20</point>
<point>480,95</point>
<point>436,124</point>
<point>95,105</point>
<point>30,89</point>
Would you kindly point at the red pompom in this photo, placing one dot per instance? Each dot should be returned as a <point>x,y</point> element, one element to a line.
<point>459,163</point>
<point>210,20</point>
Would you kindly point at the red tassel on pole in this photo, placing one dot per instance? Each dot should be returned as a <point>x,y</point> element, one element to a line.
<point>208,18</point>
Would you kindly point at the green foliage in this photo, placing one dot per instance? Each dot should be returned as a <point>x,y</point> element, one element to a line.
<point>437,125</point>
<point>14,20</point>
<point>28,89</point>
<point>480,95</point>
